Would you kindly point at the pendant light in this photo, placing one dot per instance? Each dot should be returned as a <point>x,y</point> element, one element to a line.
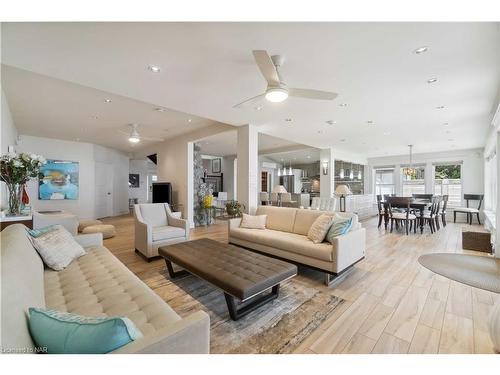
<point>290,172</point>
<point>351,173</point>
<point>279,172</point>
<point>409,171</point>
<point>341,174</point>
<point>359,173</point>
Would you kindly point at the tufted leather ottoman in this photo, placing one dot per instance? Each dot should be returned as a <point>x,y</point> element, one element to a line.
<point>240,273</point>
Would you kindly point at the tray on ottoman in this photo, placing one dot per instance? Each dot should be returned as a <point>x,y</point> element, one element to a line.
<point>241,274</point>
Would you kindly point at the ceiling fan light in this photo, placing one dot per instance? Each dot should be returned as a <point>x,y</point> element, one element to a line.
<point>276,95</point>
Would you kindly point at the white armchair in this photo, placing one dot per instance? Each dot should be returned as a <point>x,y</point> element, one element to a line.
<point>156,226</point>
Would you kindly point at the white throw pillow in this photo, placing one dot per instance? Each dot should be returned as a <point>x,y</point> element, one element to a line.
<point>319,228</point>
<point>57,248</point>
<point>253,222</point>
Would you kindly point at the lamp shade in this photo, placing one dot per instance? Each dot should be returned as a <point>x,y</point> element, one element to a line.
<point>342,190</point>
<point>279,189</point>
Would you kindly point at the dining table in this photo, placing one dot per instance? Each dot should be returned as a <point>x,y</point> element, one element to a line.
<point>417,204</point>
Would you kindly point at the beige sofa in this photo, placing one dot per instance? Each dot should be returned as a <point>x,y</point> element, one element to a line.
<point>155,226</point>
<point>96,284</point>
<point>285,237</point>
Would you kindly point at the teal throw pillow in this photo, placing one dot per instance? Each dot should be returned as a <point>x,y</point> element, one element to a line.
<point>339,227</point>
<point>66,333</point>
<point>40,231</point>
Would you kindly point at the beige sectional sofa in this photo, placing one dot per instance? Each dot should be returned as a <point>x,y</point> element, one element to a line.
<point>285,237</point>
<point>96,284</point>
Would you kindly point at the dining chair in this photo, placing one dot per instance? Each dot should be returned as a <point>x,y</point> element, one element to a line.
<point>404,218</point>
<point>469,210</point>
<point>423,196</point>
<point>264,197</point>
<point>444,199</point>
<point>431,217</point>
<point>381,211</point>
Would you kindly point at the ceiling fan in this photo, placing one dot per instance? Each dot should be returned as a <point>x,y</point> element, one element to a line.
<point>135,137</point>
<point>277,90</point>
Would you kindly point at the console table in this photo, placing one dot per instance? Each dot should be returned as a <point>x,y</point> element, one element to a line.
<point>5,221</point>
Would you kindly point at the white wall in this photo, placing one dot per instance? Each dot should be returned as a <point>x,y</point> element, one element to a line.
<point>8,138</point>
<point>86,155</point>
<point>472,167</point>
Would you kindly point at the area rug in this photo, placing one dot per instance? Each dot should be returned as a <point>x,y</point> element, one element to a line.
<point>477,271</point>
<point>277,327</point>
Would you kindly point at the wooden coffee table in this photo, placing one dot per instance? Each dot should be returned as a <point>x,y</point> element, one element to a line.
<point>243,276</point>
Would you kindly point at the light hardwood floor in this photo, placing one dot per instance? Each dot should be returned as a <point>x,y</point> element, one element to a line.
<point>393,305</point>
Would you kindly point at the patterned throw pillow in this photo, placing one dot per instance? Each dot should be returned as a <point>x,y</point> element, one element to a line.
<point>340,226</point>
<point>319,228</point>
<point>253,222</point>
<point>57,248</point>
<point>64,333</point>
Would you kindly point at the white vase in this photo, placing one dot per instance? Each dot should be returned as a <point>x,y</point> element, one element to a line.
<point>495,325</point>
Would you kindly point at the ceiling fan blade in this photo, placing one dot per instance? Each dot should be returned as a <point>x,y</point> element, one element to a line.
<point>250,101</point>
<point>266,66</point>
<point>151,139</point>
<point>312,94</point>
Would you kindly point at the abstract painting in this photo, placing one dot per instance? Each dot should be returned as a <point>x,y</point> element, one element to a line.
<point>59,179</point>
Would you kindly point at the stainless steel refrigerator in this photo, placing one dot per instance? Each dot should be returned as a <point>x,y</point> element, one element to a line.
<point>288,182</point>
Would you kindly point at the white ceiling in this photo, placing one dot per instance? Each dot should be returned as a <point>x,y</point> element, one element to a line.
<point>305,156</point>
<point>224,144</point>
<point>44,106</point>
<point>208,67</point>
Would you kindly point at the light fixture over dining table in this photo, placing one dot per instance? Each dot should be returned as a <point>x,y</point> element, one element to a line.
<point>410,171</point>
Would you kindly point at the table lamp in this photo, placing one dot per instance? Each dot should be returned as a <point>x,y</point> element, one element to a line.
<point>279,189</point>
<point>342,191</point>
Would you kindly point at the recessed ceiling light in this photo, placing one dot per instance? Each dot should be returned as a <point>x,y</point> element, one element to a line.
<point>343,105</point>
<point>288,120</point>
<point>258,108</point>
<point>420,50</point>
<point>370,122</point>
<point>94,117</point>
<point>331,122</point>
<point>154,68</point>
<point>432,80</point>
<point>190,120</point>
<point>342,140</point>
<point>446,124</point>
<point>159,109</point>
<point>440,107</point>
<point>107,100</point>
<point>308,156</point>
<point>320,132</point>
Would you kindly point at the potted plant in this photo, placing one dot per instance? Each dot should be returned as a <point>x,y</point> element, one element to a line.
<point>15,171</point>
<point>234,208</point>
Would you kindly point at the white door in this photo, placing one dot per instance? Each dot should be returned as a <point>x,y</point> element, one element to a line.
<point>103,189</point>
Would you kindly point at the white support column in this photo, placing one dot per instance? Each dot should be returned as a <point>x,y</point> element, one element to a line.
<point>429,178</point>
<point>326,182</point>
<point>497,231</point>
<point>190,184</point>
<point>248,160</point>
<point>398,182</point>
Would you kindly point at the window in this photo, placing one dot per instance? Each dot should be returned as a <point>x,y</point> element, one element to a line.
<point>414,184</point>
<point>448,181</point>
<point>384,181</point>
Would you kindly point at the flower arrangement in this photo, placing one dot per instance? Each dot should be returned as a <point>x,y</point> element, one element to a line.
<point>15,171</point>
<point>234,208</point>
